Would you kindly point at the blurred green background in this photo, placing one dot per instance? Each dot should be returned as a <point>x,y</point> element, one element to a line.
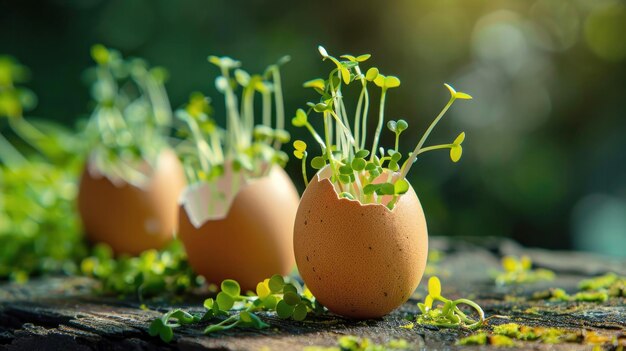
<point>545,155</point>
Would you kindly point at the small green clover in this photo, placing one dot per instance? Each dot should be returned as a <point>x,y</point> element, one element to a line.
<point>457,150</point>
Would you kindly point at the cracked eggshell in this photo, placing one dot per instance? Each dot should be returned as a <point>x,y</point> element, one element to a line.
<point>130,218</point>
<point>360,261</point>
<point>251,240</point>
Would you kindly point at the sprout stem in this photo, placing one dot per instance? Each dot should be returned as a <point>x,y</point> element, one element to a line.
<point>406,167</point>
<point>379,127</point>
<point>306,180</point>
<point>280,109</point>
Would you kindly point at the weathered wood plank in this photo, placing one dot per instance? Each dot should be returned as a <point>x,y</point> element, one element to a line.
<point>60,313</point>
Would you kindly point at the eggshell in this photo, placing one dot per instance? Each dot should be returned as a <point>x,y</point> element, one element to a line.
<point>252,240</point>
<point>360,261</point>
<point>130,218</point>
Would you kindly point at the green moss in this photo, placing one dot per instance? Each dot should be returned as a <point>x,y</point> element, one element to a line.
<point>501,340</point>
<point>598,283</point>
<point>476,339</point>
<point>591,296</point>
<point>508,329</point>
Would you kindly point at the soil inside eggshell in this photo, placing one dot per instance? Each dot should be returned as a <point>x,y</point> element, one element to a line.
<point>247,234</point>
<point>128,217</point>
<point>360,261</point>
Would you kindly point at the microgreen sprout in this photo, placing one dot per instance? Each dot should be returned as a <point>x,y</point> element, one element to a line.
<point>248,145</point>
<point>369,175</point>
<point>132,116</point>
<point>447,315</point>
<point>519,271</point>
<point>229,309</point>
<point>152,273</point>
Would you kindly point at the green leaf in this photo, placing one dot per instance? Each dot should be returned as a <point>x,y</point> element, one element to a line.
<point>346,195</point>
<point>371,74</point>
<point>301,119</point>
<point>358,164</point>
<point>345,169</point>
<point>392,126</point>
<point>166,333</point>
<point>369,189</point>
<point>385,189</point>
<point>242,77</point>
<point>362,153</point>
<point>402,125</point>
<point>208,303</point>
<point>345,74</point>
<point>270,302</point>
<point>224,301</point>
<point>396,156</point>
<point>276,283</point>
<point>318,162</point>
<point>380,81</point>
<point>315,83</point>
<point>392,82</point>
<point>320,107</point>
<point>290,287</point>
<point>284,310</point>
<point>393,165</point>
<point>363,58</point>
<point>299,145</point>
<point>231,287</point>
<point>349,57</point>
<point>291,298</point>
<point>299,312</point>
<point>459,140</point>
<point>155,327</point>
<point>401,186</point>
<point>455,153</point>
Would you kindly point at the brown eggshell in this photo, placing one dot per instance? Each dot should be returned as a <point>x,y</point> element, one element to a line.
<point>129,218</point>
<point>253,241</point>
<point>360,261</point>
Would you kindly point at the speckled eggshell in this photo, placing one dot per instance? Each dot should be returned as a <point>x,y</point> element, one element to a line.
<point>360,261</point>
<point>128,218</point>
<point>253,241</point>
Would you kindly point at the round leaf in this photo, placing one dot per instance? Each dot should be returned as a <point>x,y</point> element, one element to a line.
<point>299,145</point>
<point>401,186</point>
<point>362,153</point>
<point>358,164</point>
<point>262,290</point>
<point>456,152</point>
<point>283,310</point>
<point>291,298</point>
<point>300,312</point>
<point>391,125</point>
<point>402,125</point>
<point>231,287</point>
<point>318,162</point>
<point>224,301</point>
<point>276,283</point>
<point>371,74</point>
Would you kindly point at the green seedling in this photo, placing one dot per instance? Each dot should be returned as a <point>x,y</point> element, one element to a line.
<point>131,120</point>
<point>39,231</point>
<point>248,145</point>
<point>230,309</point>
<point>519,271</point>
<point>447,314</point>
<point>367,174</point>
<point>151,274</point>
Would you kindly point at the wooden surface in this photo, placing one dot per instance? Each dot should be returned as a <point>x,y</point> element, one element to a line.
<point>61,313</point>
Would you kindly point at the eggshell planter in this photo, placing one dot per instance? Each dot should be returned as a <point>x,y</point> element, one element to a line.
<point>247,235</point>
<point>132,218</point>
<point>360,261</point>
